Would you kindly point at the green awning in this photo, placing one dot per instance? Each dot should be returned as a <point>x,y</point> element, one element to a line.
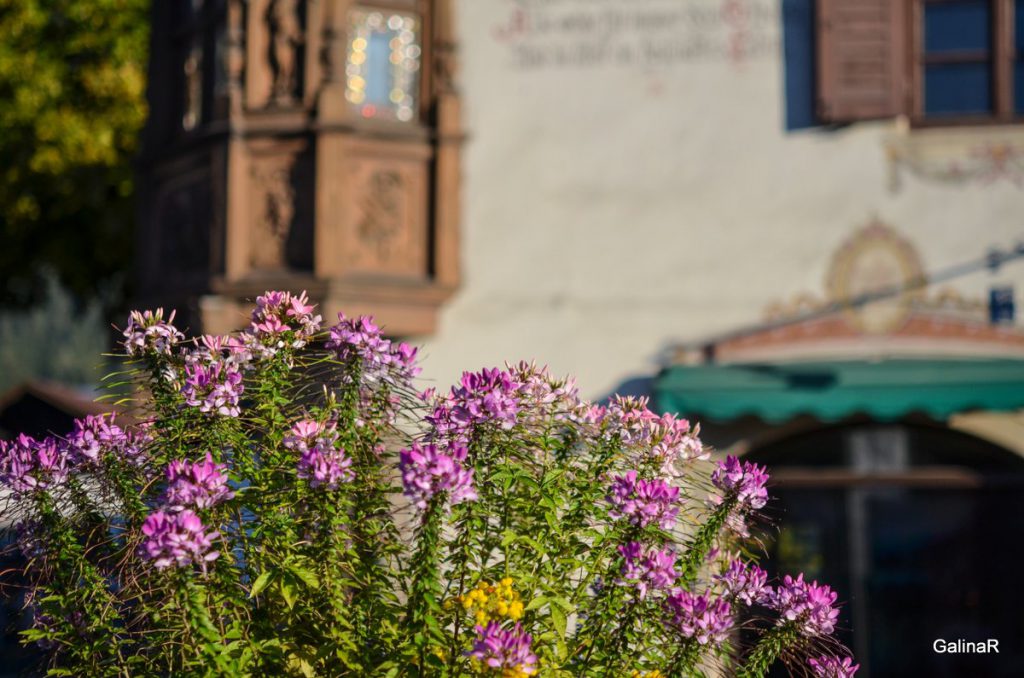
<point>884,389</point>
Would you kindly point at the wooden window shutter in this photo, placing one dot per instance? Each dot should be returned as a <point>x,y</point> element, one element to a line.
<point>862,59</point>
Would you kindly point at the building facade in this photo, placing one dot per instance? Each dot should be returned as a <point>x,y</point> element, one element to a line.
<point>777,217</point>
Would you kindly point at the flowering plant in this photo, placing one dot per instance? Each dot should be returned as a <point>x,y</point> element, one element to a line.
<point>288,504</point>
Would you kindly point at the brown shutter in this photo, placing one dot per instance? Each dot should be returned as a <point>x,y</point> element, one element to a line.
<point>862,59</point>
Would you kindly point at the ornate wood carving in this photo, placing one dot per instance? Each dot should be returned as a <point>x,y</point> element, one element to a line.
<point>284,25</point>
<point>303,192</point>
<point>385,230</point>
<point>275,212</point>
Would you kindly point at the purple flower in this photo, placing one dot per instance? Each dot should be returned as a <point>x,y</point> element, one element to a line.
<point>199,485</point>
<point>504,652</point>
<point>487,396</point>
<point>359,342</point>
<point>321,461</point>
<point>147,332</point>
<point>215,387</point>
<point>426,472</point>
<point>808,605</point>
<point>281,320</point>
<point>306,434</point>
<point>643,501</point>
<point>212,348</point>
<point>833,667</point>
<point>742,481</point>
<point>706,619</point>
<point>176,540</point>
<point>744,582</point>
<point>27,464</point>
<point>647,569</point>
<point>94,435</point>
<point>326,467</point>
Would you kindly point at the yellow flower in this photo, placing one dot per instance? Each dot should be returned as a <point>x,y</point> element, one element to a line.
<point>486,601</point>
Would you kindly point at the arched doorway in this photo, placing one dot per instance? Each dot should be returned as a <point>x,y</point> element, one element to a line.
<point>921,531</point>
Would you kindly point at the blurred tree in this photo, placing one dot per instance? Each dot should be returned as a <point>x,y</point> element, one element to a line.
<point>72,102</point>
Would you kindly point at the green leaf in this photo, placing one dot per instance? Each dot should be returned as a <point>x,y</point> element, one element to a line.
<point>308,577</point>
<point>261,583</point>
<point>536,603</point>
<point>288,593</point>
<point>558,620</point>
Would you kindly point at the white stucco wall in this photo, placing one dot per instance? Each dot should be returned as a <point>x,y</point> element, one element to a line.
<point>650,193</point>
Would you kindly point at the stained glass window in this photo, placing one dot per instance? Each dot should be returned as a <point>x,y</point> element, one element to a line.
<point>383,64</point>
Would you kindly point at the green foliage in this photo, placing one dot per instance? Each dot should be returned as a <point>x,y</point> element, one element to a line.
<point>445,526</point>
<point>72,81</point>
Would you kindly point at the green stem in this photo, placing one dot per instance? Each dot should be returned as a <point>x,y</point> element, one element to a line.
<point>703,541</point>
<point>768,649</point>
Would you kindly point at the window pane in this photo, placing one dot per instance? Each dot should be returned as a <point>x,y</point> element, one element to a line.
<point>957,25</point>
<point>962,88</point>
<point>1018,28</point>
<point>382,65</point>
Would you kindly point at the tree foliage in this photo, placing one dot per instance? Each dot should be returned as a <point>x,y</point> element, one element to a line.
<point>72,85</point>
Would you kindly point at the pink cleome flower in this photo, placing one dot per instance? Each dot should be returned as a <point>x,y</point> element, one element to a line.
<point>707,620</point>
<point>504,652</point>
<point>809,605</point>
<point>176,540</point>
<point>427,471</point>
<point>200,485</point>
<point>744,582</point>
<point>745,482</point>
<point>648,569</point>
<point>214,388</point>
<point>359,342</point>
<point>833,667</point>
<point>148,332</point>
<point>28,465</point>
<point>643,501</point>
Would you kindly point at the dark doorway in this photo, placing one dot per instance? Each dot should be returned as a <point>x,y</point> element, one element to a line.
<point>920,529</point>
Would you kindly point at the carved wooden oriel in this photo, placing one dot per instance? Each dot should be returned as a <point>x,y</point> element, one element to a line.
<point>303,144</point>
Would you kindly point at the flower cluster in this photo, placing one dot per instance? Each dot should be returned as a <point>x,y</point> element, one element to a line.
<point>808,605</point>
<point>490,396</point>
<point>833,667</point>
<point>427,471</point>
<point>200,485</point>
<point>643,501</point>
<point>27,464</point>
<point>542,397</point>
<point>282,319</point>
<point>97,435</point>
<point>670,442</point>
<point>212,348</point>
<point>148,332</point>
<point>647,569</point>
<point>358,342</point>
<point>213,388</point>
<point>487,602</point>
<point>321,462</point>
<point>504,652</point>
<point>327,467</point>
<point>176,540</point>
<point>742,481</point>
<point>744,582</point>
<point>647,674</point>
<point>701,617</point>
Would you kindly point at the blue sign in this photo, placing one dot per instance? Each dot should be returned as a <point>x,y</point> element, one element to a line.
<point>1000,305</point>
